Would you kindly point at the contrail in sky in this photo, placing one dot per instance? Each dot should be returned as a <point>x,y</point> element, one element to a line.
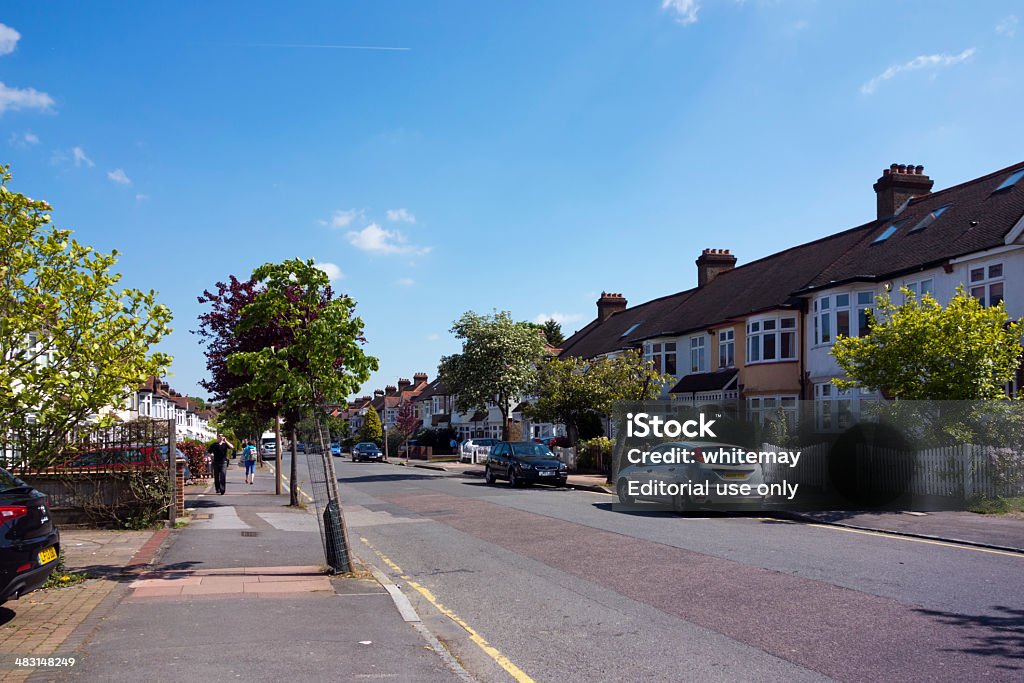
<point>321,47</point>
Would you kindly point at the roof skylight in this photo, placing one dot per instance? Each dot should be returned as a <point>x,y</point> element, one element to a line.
<point>1011,180</point>
<point>930,218</point>
<point>889,232</point>
<point>636,325</point>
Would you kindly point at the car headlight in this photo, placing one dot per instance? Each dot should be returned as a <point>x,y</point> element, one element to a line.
<point>524,466</point>
<point>563,468</point>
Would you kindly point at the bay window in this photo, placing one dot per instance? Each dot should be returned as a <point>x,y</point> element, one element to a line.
<point>771,339</point>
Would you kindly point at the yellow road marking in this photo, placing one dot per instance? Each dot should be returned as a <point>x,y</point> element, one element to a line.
<point>284,484</point>
<point>491,651</point>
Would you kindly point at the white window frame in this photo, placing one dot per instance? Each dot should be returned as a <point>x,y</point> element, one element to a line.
<point>698,354</point>
<point>659,353</point>
<point>727,340</point>
<point>775,327</point>
<point>986,281</point>
<point>920,287</point>
<point>762,408</point>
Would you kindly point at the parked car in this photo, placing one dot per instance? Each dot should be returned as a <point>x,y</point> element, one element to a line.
<point>269,448</point>
<point>300,447</point>
<point>696,472</point>
<point>524,462</point>
<point>546,440</point>
<point>336,449</point>
<point>367,451</point>
<point>29,540</point>
<point>479,446</point>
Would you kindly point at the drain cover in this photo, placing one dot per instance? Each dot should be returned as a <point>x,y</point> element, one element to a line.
<point>250,534</point>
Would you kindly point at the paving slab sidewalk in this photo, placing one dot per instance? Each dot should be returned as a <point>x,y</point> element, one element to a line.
<point>242,593</point>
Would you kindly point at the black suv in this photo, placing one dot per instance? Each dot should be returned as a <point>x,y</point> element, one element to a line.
<point>29,540</point>
<point>524,462</point>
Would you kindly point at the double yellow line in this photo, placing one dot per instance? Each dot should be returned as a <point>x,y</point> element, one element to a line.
<point>494,653</point>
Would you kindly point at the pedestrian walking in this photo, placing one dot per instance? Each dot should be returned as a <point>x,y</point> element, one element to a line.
<point>249,457</point>
<point>220,452</point>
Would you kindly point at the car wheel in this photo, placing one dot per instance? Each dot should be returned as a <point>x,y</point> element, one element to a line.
<point>489,476</point>
<point>623,490</point>
<point>681,504</point>
<point>513,482</point>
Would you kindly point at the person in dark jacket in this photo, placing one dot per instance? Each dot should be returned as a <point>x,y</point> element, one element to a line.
<point>220,451</point>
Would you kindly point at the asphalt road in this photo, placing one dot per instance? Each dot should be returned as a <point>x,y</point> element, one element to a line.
<point>559,585</point>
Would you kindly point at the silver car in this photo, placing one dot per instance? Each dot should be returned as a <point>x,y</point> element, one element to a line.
<point>689,475</point>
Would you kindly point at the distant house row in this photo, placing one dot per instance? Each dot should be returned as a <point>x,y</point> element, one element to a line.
<point>762,332</point>
<point>155,399</point>
<point>433,407</point>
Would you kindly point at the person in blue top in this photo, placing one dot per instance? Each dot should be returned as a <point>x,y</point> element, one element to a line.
<point>249,460</point>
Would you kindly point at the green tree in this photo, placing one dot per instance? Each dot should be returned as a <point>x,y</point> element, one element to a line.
<point>497,364</point>
<point>553,333</point>
<point>572,390</point>
<point>321,361</point>
<point>371,430</point>
<point>920,350</point>
<point>72,344</point>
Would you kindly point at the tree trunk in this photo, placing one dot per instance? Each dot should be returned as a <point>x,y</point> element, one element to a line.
<point>294,501</point>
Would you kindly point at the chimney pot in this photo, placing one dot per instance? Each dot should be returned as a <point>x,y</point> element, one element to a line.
<point>713,262</point>
<point>609,304</point>
<point>900,183</point>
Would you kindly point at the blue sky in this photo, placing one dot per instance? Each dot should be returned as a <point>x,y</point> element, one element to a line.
<point>512,156</point>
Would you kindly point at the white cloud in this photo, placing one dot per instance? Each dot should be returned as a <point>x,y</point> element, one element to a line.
<point>25,139</point>
<point>401,215</point>
<point>433,336</point>
<point>405,282</point>
<point>342,218</point>
<point>560,318</point>
<point>916,64</point>
<point>23,98</point>
<point>80,158</point>
<point>140,198</point>
<point>377,240</point>
<point>332,270</point>
<point>1008,26</point>
<point>118,176</point>
<point>685,10</point>
<point>8,39</point>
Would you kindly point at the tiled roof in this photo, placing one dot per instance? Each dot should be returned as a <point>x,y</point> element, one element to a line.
<point>977,219</point>
<point>435,388</point>
<point>775,281</point>
<point>705,381</point>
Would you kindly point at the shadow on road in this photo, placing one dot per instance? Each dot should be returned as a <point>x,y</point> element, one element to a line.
<point>6,615</point>
<point>986,635</point>
<point>398,476</point>
<point>657,510</point>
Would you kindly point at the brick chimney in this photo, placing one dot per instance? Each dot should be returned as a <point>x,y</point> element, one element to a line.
<point>377,393</point>
<point>419,378</point>
<point>899,183</point>
<point>390,390</point>
<point>403,384</point>
<point>713,262</point>
<point>609,304</point>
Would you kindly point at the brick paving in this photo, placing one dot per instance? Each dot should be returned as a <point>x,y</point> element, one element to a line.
<point>46,623</point>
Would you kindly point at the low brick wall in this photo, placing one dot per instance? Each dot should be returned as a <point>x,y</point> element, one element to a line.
<point>70,493</point>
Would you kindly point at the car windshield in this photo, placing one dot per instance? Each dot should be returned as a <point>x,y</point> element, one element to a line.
<point>531,450</point>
